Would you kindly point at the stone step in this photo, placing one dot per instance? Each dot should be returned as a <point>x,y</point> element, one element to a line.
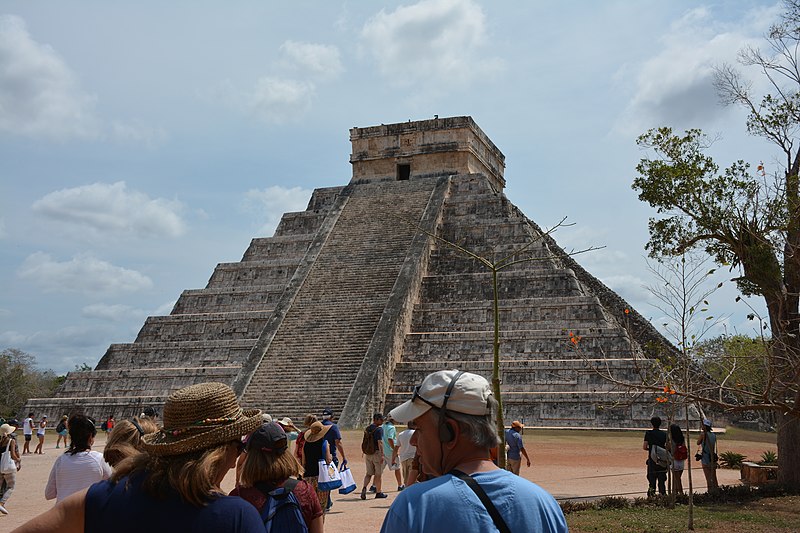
<point>510,285</point>
<point>272,272</point>
<point>210,326</point>
<point>291,247</point>
<point>229,299</point>
<point>175,354</point>
<point>300,223</point>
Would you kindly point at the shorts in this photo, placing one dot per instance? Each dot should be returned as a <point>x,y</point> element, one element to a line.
<point>678,466</point>
<point>28,437</point>
<point>63,432</point>
<point>406,466</point>
<point>375,463</point>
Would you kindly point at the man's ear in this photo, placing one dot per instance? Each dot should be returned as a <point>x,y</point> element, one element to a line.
<point>454,430</point>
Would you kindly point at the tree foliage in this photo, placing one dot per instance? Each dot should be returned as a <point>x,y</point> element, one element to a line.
<point>20,380</point>
<point>747,220</point>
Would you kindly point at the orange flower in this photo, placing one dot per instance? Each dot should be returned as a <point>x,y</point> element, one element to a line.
<point>661,399</point>
<point>627,311</point>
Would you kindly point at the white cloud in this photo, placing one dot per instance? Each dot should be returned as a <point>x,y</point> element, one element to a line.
<point>631,288</point>
<point>267,205</point>
<point>112,209</point>
<point>318,60</point>
<point>39,94</point>
<point>430,41</point>
<point>113,313</point>
<point>83,273</point>
<point>61,349</point>
<point>279,100</point>
<point>138,132</point>
<point>675,87</point>
<point>5,313</point>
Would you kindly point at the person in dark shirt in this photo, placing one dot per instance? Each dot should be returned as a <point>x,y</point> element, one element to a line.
<point>655,473</point>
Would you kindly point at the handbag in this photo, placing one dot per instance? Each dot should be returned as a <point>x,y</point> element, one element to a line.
<point>348,483</point>
<point>7,464</point>
<point>329,477</point>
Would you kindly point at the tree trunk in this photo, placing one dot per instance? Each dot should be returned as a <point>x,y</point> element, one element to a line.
<point>789,451</point>
<point>501,427</point>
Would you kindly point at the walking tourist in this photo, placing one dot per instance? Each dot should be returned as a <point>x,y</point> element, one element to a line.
<point>175,484</point>
<point>390,446</point>
<point>61,431</point>
<point>8,443</point>
<point>708,455</point>
<point>78,467</point>
<point>269,478</point>
<point>677,447</point>
<point>315,449</point>
<point>127,439</point>
<point>334,438</point>
<point>406,452</point>
<point>516,448</point>
<point>455,429</point>
<point>655,472</point>
<point>289,428</point>
<point>27,431</point>
<point>371,446</point>
<point>40,429</point>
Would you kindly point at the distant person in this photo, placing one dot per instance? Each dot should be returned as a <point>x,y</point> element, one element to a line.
<point>406,452</point>
<point>289,428</point>
<point>61,431</point>
<point>8,443</point>
<point>315,449</point>
<point>127,439</point>
<point>516,448</point>
<point>390,448</point>
<point>655,472</point>
<point>677,447</point>
<point>79,466</point>
<point>40,430</point>
<point>269,476</point>
<point>708,455</point>
<point>454,413</point>
<point>108,425</point>
<point>372,447</point>
<point>301,437</point>
<point>174,485</point>
<point>27,432</point>
<point>149,412</point>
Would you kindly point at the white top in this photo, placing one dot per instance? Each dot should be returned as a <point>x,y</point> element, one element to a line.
<point>27,426</point>
<point>407,451</point>
<point>72,473</point>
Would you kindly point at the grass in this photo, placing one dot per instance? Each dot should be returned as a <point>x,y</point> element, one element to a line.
<point>780,514</point>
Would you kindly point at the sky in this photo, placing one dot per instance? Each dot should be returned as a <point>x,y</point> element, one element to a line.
<point>142,143</point>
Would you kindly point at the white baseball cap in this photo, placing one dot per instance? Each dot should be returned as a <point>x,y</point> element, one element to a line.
<point>469,395</point>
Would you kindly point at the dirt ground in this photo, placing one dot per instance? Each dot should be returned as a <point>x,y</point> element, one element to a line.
<point>569,464</point>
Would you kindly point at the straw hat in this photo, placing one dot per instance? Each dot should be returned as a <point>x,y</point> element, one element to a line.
<point>286,423</point>
<point>316,431</point>
<point>6,429</point>
<point>198,417</point>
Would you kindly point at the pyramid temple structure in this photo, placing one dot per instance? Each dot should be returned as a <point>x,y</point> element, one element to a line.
<point>353,301</point>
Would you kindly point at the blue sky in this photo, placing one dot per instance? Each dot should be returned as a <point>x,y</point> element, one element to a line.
<point>142,143</point>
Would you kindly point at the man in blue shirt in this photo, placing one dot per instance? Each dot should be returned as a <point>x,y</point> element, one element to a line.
<point>516,449</point>
<point>454,416</point>
<point>334,438</point>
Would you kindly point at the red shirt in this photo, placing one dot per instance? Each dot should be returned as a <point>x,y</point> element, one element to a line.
<point>305,493</point>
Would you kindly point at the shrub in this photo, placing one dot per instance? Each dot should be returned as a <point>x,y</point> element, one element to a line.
<point>731,459</point>
<point>769,458</point>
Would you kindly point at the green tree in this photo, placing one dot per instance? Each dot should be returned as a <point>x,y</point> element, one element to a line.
<point>20,380</point>
<point>748,220</point>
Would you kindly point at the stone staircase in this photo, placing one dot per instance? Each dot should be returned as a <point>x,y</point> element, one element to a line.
<point>317,350</point>
<point>546,379</point>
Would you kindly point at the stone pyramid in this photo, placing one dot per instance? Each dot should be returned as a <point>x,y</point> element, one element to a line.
<point>352,302</point>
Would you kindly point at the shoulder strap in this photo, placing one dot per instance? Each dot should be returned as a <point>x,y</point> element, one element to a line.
<point>499,523</point>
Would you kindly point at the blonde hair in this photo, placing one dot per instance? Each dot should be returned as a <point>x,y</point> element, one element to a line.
<point>193,475</point>
<point>271,468</point>
<point>126,440</point>
<point>310,419</point>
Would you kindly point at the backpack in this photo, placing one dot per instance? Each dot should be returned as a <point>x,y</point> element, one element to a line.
<point>368,444</point>
<point>660,456</point>
<point>282,511</point>
<point>681,452</point>
<point>61,427</point>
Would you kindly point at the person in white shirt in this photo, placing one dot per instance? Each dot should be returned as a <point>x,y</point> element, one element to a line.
<point>27,431</point>
<point>407,452</point>
<point>79,467</point>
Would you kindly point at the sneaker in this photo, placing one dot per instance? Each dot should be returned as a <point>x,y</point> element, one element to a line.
<point>56,446</point>
<point>379,495</point>
<point>401,487</point>
<point>364,494</point>
<point>3,510</point>
<point>372,488</point>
